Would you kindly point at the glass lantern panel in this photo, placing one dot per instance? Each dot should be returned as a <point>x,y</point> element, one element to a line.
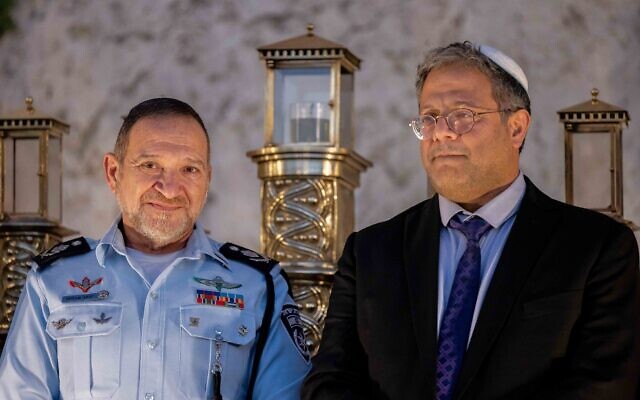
<point>27,183</point>
<point>302,113</point>
<point>591,170</point>
<point>346,105</point>
<point>9,160</point>
<point>54,178</point>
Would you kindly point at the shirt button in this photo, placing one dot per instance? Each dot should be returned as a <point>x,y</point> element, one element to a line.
<point>151,344</point>
<point>154,295</point>
<point>82,326</point>
<point>149,396</point>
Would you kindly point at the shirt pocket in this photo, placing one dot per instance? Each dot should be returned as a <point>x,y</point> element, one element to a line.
<point>89,341</point>
<point>200,327</point>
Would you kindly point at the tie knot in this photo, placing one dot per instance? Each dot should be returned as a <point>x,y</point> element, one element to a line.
<point>473,229</point>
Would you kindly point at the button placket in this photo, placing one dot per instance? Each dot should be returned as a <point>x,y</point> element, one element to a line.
<point>152,358</point>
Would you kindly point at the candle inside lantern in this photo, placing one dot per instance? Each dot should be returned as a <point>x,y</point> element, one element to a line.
<point>309,122</point>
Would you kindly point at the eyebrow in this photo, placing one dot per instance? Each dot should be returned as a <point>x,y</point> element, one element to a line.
<point>456,104</point>
<point>146,156</point>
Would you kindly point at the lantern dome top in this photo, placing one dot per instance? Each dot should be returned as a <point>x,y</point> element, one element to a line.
<point>307,47</point>
<point>30,118</point>
<point>594,110</point>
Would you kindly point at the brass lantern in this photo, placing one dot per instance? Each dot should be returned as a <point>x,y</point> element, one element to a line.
<point>30,198</point>
<point>308,167</point>
<point>593,175</point>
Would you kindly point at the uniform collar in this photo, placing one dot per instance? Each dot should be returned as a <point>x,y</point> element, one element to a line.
<point>495,212</point>
<point>197,245</point>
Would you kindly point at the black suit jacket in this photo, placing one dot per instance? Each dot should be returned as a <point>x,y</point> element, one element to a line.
<point>559,321</point>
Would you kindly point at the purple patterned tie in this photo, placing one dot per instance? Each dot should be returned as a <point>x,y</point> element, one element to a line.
<point>456,321</point>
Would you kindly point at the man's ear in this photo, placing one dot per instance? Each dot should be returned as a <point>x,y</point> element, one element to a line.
<point>518,125</point>
<point>111,169</point>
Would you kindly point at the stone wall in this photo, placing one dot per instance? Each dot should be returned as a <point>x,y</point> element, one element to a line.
<point>87,62</point>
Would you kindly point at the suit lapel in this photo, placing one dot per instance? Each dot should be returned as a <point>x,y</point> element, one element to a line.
<point>421,247</point>
<point>528,237</point>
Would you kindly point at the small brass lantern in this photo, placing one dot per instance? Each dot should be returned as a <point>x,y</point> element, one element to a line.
<point>593,178</point>
<point>308,167</point>
<point>30,198</point>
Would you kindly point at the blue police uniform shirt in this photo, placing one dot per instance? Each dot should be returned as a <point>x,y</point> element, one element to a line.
<point>89,326</point>
<point>500,212</point>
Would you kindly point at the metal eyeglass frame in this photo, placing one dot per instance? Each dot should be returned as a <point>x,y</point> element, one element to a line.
<point>414,123</point>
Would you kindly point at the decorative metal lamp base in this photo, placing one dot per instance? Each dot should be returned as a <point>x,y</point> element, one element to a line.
<point>19,241</point>
<point>307,213</point>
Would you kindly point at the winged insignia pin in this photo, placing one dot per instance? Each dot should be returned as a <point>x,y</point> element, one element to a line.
<point>217,282</point>
<point>86,284</point>
<point>102,319</point>
<point>61,323</point>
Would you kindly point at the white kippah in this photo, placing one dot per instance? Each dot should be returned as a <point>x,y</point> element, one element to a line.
<point>506,63</point>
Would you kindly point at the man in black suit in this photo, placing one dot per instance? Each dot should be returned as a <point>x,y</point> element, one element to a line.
<point>490,289</point>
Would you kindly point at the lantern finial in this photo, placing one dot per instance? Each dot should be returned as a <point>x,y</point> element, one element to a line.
<point>29,102</point>
<point>310,28</point>
<point>594,96</point>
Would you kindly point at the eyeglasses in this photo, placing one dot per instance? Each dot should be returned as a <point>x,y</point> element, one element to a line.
<point>460,121</point>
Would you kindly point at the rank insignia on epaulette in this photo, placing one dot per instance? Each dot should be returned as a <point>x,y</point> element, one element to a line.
<point>239,253</point>
<point>64,249</point>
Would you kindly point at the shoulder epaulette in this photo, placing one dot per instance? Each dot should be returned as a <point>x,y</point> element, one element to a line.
<point>264,265</point>
<point>65,249</point>
<point>238,253</point>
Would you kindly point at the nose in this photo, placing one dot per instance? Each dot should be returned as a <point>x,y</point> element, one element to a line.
<point>168,184</point>
<point>442,131</point>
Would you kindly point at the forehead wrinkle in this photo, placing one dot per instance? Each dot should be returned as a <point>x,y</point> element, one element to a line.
<point>451,106</point>
<point>153,156</point>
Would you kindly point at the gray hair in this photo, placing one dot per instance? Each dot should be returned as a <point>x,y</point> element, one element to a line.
<point>507,91</point>
<point>161,106</point>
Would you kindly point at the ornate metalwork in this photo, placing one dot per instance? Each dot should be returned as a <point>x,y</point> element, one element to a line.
<point>312,296</point>
<point>307,186</point>
<point>297,216</point>
<point>307,213</point>
<point>26,230</point>
<point>16,251</point>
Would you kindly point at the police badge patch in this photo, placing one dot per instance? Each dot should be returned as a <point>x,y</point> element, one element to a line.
<point>293,324</point>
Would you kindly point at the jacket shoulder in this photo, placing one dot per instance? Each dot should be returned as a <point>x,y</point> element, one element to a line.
<point>579,221</point>
<point>397,223</point>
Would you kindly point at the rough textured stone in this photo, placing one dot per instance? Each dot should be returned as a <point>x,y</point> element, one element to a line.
<point>88,62</point>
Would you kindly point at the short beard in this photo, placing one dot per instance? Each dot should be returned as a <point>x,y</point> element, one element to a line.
<point>157,228</point>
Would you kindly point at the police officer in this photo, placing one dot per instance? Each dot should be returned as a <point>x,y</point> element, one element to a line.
<point>155,309</point>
